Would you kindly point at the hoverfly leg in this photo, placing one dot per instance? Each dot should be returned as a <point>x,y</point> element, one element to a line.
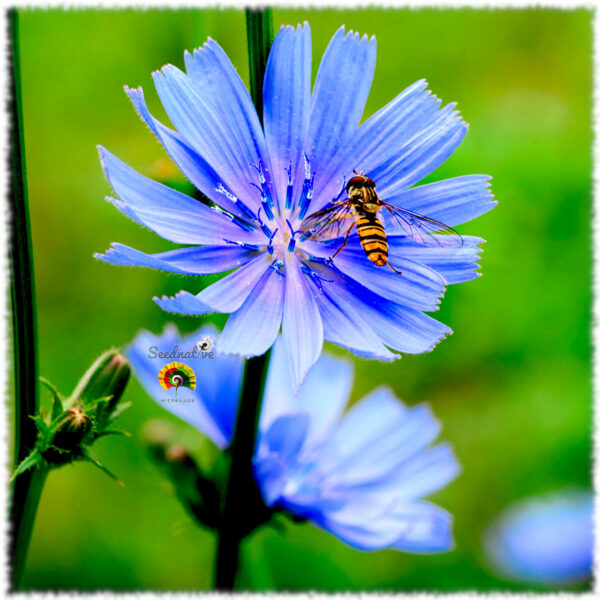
<point>330,259</point>
<point>392,268</point>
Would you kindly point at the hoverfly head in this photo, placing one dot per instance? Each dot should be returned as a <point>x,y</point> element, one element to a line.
<point>359,181</point>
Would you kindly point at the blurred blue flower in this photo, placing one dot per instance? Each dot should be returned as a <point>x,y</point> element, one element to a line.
<point>212,406</point>
<point>546,540</point>
<point>264,182</point>
<point>361,475</point>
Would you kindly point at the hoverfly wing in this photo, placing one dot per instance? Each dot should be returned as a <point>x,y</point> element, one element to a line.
<point>420,228</point>
<point>329,223</point>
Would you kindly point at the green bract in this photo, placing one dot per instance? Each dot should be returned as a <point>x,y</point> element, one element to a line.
<point>75,423</point>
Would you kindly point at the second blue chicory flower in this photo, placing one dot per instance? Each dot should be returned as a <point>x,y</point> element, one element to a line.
<point>361,474</point>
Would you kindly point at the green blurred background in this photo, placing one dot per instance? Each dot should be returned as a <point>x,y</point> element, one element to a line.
<point>512,386</point>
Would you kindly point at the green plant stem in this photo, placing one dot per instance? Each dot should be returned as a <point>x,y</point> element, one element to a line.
<point>242,498</point>
<point>27,487</point>
<point>26,513</point>
<point>259,33</point>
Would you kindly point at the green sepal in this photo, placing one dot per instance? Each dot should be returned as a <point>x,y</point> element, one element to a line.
<point>123,406</point>
<point>58,402</point>
<point>75,423</point>
<point>33,460</point>
<point>114,432</point>
<point>41,425</point>
<point>88,457</point>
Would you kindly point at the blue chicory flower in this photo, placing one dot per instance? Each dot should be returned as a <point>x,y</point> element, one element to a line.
<point>360,475</point>
<point>546,540</point>
<point>264,182</point>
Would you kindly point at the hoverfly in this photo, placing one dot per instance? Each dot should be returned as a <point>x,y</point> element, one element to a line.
<point>361,209</point>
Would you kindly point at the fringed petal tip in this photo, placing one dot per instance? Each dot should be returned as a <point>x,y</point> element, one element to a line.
<point>103,257</point>
<point>446,332</point>
<point>133,91</point>
<point>102,151</point>
<point>297,28</point>
<point>183,303</point>
<point>117,255</point>
<point>353,35</point>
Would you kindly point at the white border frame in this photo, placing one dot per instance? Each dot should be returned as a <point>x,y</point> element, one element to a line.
<point>305,4</point>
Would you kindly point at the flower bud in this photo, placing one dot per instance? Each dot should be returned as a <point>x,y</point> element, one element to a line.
<point>67,432</point>
<point>107,377</point>
<point>72,428</point>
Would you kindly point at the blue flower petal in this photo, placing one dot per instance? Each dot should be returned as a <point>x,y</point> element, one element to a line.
<point>424,153</point>
<point>322,396</point>
<point>224,296</point>
<point>456,264</point>
<point>429,528</point>
<point>344,325</point>
<point>404,329</point>
<point>191,164</point>
<point>286,101</point>
<point>279,449</point>
<point>385,444</point>
<point>451,201</point>
<point>361,424</point>
<point>338,101</point>
<point>253,328</point>
<point>219,85</point>
<point>302,325</point>
<point>183,303</point>
<point>171,214</point>
<point>415,527</point>
<point>384,133</point>
<point>418,286</point>
<point>199,260</point>
<point>209,131</point>
<point>223,371</point>
<point>421,475</point>
<point>400,328</point>
<point>391,127</point>
<point>360,533</point>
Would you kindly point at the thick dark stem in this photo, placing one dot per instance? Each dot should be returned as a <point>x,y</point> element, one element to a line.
<point>259,33</point>
<point>243,503</point>
<point>242,500</point>
<point>27,488</point>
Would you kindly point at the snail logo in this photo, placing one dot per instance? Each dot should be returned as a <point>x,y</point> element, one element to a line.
<point>177,375</point>
<point>206,344</point>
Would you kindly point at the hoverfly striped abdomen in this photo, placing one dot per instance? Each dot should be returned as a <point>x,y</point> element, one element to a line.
<point>372,235</point>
